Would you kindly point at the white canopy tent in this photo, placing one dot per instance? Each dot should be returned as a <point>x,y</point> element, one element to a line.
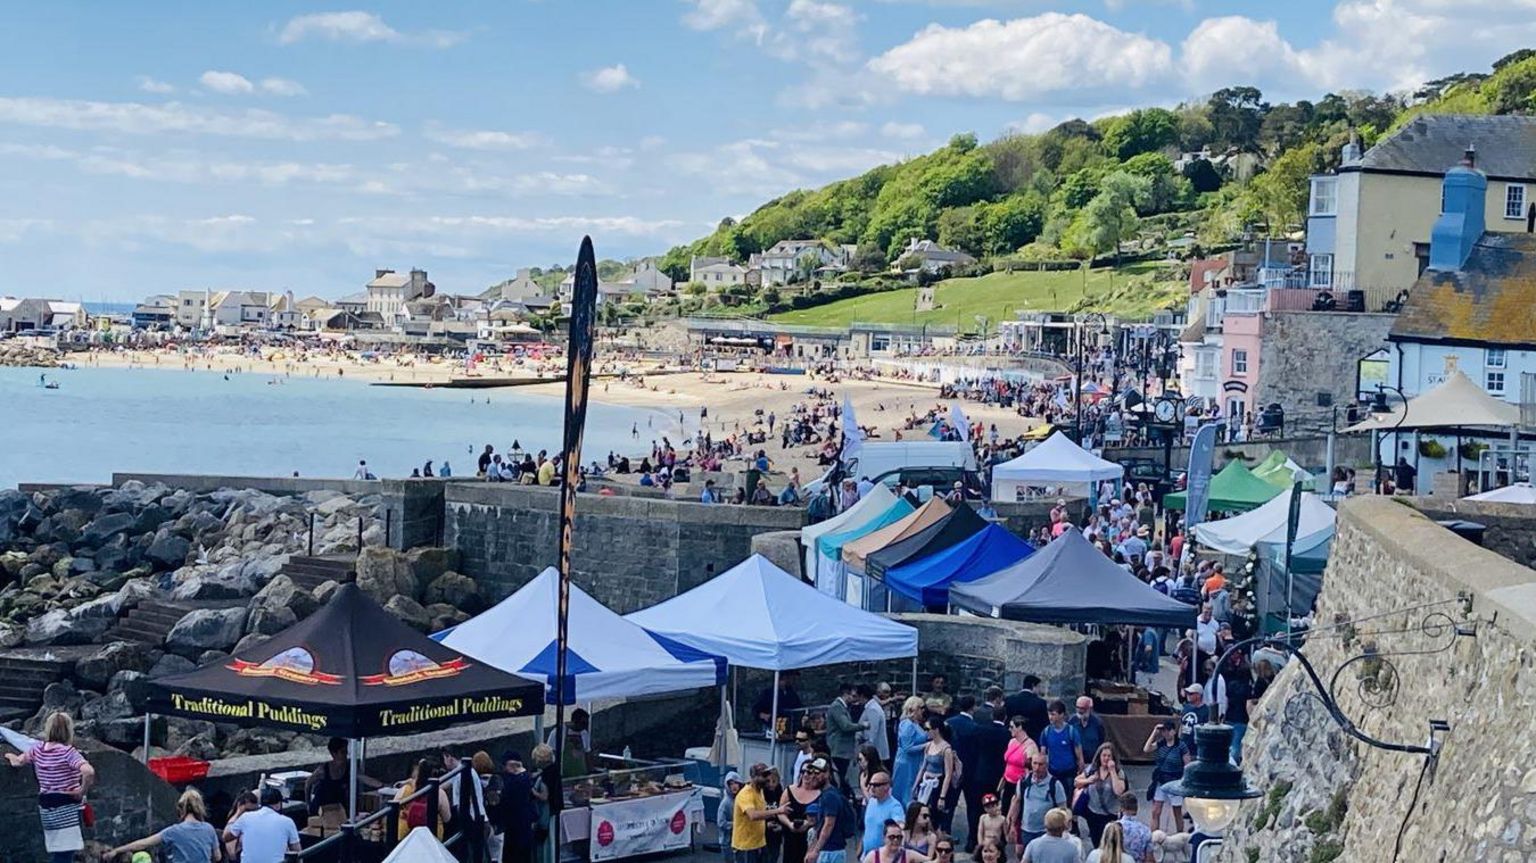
<point>1456,403</point>
<point>610,657</point>
<point>1268,523</point>
<point>759,616</point>
<point>1055,462</point>
<point>869,507</point>
<point>1520,492</point>
<point>420,846</point>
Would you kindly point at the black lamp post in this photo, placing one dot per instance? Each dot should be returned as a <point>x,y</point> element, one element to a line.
<point>1077,419</point>
<point>1213,786</point>
<point>1379,407</point>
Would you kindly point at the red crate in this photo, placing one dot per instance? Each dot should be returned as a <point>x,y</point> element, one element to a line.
<point>178,769</point>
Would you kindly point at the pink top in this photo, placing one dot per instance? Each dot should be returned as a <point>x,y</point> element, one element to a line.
<point>1015,762</point>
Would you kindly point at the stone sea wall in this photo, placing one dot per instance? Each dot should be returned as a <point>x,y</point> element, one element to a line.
<point>630,552</point>
<point>1330,797</point>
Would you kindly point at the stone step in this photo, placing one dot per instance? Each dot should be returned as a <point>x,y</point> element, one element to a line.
<point>12,666</point>
<point>129,631</point>
<point>21,706</point>
<point>21,676</point>
<point>22,690</point>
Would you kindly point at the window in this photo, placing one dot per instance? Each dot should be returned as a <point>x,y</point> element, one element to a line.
<point>1325,196</point>
<point>1496,358</point>
<point>1320,273</point>
<point>1514,202</point>
<point>1205,364</point>
<point>1239,362</point>
<point>1496,383</point>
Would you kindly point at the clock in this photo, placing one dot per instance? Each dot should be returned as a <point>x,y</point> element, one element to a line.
<point>1165,410</point>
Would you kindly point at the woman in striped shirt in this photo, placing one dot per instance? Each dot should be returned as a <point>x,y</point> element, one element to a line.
<point>63,778</point>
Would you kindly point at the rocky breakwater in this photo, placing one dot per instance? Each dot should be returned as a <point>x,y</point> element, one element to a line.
<point>75,562</point>
<point>27,356</point>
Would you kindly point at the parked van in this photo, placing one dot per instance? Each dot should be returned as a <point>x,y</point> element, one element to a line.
<point>917,462</point>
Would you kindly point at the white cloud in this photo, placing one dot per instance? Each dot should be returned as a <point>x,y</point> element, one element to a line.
<point>357,26</point>
<point>230,83</point>
<point>1026,59</point>
<point>609,79</point>
<point>135,118</point>
<point>722,14</point>
<point>151,85</point>
<point>283,87</point>
<point>484,139</point>
<point>817,32</point>
<point>1033,124</point>
<point>652,142</point>
<point>904,131</point>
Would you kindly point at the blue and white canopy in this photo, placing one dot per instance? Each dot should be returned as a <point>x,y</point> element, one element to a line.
<point>609,656</point>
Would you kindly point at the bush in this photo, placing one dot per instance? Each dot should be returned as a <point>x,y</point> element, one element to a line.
<point>1432,449</point>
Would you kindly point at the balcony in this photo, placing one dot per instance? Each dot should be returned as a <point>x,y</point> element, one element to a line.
<point>1347,295</point>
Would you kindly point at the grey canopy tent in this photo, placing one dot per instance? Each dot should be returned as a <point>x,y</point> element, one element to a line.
<point>1070,581</point>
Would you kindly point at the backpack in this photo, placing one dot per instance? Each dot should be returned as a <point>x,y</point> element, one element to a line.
<point>1050,787</point>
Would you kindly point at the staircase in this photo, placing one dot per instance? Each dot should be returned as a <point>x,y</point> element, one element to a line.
<point>150,622</point>
<point>309,572</point>
<point>22,681</point>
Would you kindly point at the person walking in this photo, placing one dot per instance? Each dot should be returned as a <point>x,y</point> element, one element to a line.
<point>794,820</point>
<point>879,808</point>
<point>920,828</point>
<point>63,779</point>
<point>1089,727</point>
<point>963,730</point>
<point>831,816</point>
<point>1169,755</point>
<point>1031,707</point>
<point>1099,787</point>
<point>892,849</point>
<point>265,834</point>
<point>1137,835</point>
<point>1055,846</point>
<point>1038,793</point>
<point>986,777</point>
<point>910,742</point>
<point>843,732</point>
<point>1063,747</point>
<point>939,773</point>
<point>190,840</point>
<point>873,717</point>
<point>1111,848</point>
<point>515,811</point>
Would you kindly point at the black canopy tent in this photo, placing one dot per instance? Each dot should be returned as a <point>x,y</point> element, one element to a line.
<point>349,670</point>
<point>1070,581</point>
<point>959,525</point>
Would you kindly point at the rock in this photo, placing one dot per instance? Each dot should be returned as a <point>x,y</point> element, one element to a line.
<point>134,591</point>
<point>169,664</point>
<point>332,505</point>
<point>124,733</point>
<point>207,629</point>
<point>258,741</point>
<point>249,640</point>
<point>383,573</point>
<point>169,550</point>
<point>123,681</point>
<point>96,670</point>
<point>61,568</point>
<point>202,747</point>
<point>11,634</point>
<point>229,581</point>
<point>149,519</point>
<point>114,706</point>
<point>444,616</point>
<point>62,695</point>
<point>83,498</point>
<point>282,593</point>
<point>209,657</point>
<point>409,611</point>
<point>106,526</point>
<point>324,590</point>
<point>430,563</point>
<point>61,626</point>
<point>459,591</point>
<point>269,621</point>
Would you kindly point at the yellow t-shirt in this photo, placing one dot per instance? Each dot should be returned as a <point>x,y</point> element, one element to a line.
<point>547,473</point>
<point>746,834</point>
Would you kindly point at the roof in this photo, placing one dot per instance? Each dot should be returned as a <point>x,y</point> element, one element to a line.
<point>726,266</point>
<point>357,299</point>
<point>1235,488</point>
<point>1490,300</point>
<point>1455,403</point>
<point>390,280</point>
<point>1431,143</point>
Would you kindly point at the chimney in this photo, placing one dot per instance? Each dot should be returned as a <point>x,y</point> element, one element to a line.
<point>1461,224</point>
<point>1351,154</point>
<point>379,274</point>
<point>419,285</point>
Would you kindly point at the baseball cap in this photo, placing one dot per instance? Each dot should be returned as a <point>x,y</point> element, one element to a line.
<point>988,799</point>
<point>1194,687</point>
<point>1166,724</point>
<point>733,776</point>
<point>819,764</point>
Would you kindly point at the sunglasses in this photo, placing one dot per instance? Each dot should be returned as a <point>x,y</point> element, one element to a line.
<point>878,784</point>
<point>893,837</point>
<point>945,849</point>
<point>802,740</point>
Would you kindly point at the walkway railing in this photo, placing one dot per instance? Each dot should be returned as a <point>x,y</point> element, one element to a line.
<point>468,841</point>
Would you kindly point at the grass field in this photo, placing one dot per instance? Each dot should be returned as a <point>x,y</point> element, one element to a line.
<point>1002,296</point>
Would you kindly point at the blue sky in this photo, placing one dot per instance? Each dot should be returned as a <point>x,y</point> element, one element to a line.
<point>174,145</point>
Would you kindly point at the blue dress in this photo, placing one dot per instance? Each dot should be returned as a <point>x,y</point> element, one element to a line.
<point>908,758</point>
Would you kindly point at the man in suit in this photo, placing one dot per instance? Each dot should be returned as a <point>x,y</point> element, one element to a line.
<point>842,731</point>
<point>991,746</point>
<point>1027,704</point>
<point>962,731</point>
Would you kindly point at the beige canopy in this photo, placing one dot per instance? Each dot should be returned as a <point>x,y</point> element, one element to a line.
<point>1456,403</point>
<point>855,553</point>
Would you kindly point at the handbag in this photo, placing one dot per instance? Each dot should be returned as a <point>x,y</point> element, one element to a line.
<point>87,815</point>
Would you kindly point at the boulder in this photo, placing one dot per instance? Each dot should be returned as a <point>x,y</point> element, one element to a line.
<point>62,568</point>
<point>248,641</point>
<point>383,573</point>
<point>430,563</point>
<point>11,634</point>
<point>444,616</point>
<point>258,741</point>
<point>324,590</point>
<point>179,731</point>
<point>134,591</point>
<point>97,670</point>
<point>459,591</point>
<point>115,706</point>
<point>149,519</point>
<point>61,626</point>
<point>202,747</point>
<point>125,733</point>
<point>209,657</point>
<point>410,612</point>
<point>207,581</point>
<point>124,680</point>
<point>106,526</point>
<point>269,621</point>
<point>207,629</point>
<point>170,664</point>
<point>79,497</point>
<point>330,506</point>
<point>168,550</point>
<point>282,593</point>
<point>61,695</point>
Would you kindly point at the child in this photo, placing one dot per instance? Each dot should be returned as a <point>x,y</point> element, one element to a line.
<point>726,812</point>
<point>990,827</point>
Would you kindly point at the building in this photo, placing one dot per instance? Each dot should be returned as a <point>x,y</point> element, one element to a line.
<point>19,314</point>
<point>519,287</point>
<point>283,312</point>
<point>930,257</point>
<point>1368,224</point>
<point>698,263</point>
<point>648,280</point>
<point>792,260</point>
<point>189,308</point>
<point>354,303</point>
<point>156,312</point>
<point>718,273</point>
<point>390,291</point>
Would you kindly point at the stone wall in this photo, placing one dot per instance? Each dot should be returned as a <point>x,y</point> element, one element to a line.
<point>1308,451</point>
<point>1511,526</point>
<point>1330,797</point>
<point>129,802</point>
<point>630,552</point>
<point>1305,354</point>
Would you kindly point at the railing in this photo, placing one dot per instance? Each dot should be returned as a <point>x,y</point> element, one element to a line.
<point>1354,299</point>
<point>344,843</point>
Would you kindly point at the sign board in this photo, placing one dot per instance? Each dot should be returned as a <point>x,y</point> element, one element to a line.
<point>645,825</point>
<point>1372,372</point>
<point>925,299</point>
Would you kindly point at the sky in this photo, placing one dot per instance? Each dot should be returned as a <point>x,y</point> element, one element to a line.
<point>191,144</point>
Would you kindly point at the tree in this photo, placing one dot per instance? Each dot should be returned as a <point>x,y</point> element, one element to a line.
<point>676,262</point>
<point>868,258</point>
<point>1236,114</point>
<point>1143,131</point>
<point>1012,222</point>
<point>1077,190</point>
<point>961,228</point>
<point>1280,193</point>
<point>1110,218</point>
<point>1286,126</point>
<point>1202,175</point>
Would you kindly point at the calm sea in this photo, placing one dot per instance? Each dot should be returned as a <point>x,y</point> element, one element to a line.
<point>105,420</point>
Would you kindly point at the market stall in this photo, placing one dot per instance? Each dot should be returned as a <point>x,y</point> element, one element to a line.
<point>926,580</point>
<point>1234,489</point>
<point>829,547</point>
<point>1286,593</point>
<point>1054,464</point>
<point>759,616</point>
<point>959,525</point>
<point>869,507</point>
<point>1268,523</point>
<point>1278,469</point>
<point>856,552</point>
<point>631,807</point>
<point>1520,492</point>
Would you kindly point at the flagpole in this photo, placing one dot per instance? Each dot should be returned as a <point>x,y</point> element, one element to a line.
<point>577,379</point>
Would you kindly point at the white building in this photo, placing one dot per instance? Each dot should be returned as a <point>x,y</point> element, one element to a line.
<point>791,259</point>
<point>932,257</point>
<point>390,291</point>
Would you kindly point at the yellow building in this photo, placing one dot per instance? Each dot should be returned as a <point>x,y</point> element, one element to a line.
<point>1369,223</point>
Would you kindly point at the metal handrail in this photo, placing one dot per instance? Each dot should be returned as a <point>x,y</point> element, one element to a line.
<point>346,836</point>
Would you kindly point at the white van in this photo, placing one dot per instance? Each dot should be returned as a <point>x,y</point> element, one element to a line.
<point>887,462</point>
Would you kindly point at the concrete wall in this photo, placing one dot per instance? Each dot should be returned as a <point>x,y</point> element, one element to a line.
<point>129,801</point>
<point>1306,451</point>
<point>1478,805</point>
<point>1305,354</point>
<point>1511,526</point>
<point>630,552</point>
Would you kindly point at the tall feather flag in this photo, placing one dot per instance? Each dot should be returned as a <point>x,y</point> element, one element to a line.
<point>853,436</point>
<point>958,420</point>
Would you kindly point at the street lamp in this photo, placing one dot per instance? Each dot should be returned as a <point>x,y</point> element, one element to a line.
<point>1213,786</point>
<point>1379,407</point>
<point>1077,419</point>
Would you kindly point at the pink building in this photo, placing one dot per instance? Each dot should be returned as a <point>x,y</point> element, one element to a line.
<point>1242,335</point>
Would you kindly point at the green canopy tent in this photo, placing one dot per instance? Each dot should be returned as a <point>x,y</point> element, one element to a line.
<point>1235,489</point>
<point>1278,470</point>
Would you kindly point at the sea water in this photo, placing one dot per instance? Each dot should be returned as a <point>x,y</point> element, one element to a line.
<point>101,421</point>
